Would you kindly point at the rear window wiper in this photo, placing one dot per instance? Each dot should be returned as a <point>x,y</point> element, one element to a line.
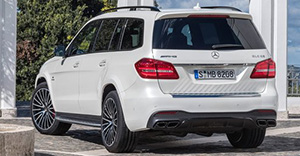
<point>227,46</point>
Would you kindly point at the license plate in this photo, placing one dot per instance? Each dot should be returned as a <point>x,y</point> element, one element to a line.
<point>215,74</point>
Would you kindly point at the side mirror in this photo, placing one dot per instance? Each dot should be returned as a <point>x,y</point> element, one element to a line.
<point>60,50</point>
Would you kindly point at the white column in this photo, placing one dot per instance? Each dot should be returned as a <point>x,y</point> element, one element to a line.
<point>8,22</point>
<point>280,50</point>
<point>122,3</point>
<point>261,11</point>
<point>270,17</point>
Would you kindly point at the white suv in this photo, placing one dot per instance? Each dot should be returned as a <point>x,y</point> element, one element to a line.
<point>200,71</point>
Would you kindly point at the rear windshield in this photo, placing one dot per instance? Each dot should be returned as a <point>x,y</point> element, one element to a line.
<point>206,34</point>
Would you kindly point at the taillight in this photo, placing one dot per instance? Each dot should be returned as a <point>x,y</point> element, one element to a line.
<point>154,69</point>
<point>264,69</point>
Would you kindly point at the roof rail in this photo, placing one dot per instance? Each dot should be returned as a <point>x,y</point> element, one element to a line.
<point>134,8</point>
<point>222,7</point>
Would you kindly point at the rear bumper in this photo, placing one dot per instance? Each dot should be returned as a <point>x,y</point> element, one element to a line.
<point>179,121</point>
<point>144,99</point>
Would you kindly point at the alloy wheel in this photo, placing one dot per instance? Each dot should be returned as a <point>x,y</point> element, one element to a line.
<point>43,112</point>
<point>109,121</point>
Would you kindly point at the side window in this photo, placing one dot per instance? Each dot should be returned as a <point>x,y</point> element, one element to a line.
<point>105,34</point>
<point>84,40</point>
<point>134,33</point>
<point>117,35</point>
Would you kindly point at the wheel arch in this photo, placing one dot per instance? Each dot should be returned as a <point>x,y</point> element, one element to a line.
<point>45,77</point>
<point>106,89</point>
<point>115,83</point>
<point>112,86</point>
<point>108,85</point>
<point>40,80</point>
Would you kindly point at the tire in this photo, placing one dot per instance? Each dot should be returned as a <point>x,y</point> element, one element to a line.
<point>43,113</point>
<point>116,137</point>
<point>247,138</point>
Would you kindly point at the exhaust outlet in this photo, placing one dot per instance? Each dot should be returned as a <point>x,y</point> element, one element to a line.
<point>172,124</point>
<point>262,123</point>
<point>271,123</point>
<point>160,125</point>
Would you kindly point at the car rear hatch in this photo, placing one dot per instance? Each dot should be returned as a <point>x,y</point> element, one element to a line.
<point>214,54</point>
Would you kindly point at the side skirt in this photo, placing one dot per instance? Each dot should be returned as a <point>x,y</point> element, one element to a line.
<point>87,120</point>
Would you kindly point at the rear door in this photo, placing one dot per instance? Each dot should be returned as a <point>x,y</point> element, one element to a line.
<point>94,66</point>
<point>213,55</point>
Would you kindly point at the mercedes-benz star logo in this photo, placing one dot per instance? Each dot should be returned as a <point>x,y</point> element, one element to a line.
<point>215,55</point>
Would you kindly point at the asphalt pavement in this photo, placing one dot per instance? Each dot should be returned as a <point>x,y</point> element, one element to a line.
<point>86,141</point>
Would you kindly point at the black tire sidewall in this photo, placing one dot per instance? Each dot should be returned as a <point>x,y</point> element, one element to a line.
<point>121,129</point>
<point>250,138</point>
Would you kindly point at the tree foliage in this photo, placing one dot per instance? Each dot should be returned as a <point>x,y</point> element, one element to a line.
<point>109,4</point>
<point>42,24</point>
<point>156,4</point>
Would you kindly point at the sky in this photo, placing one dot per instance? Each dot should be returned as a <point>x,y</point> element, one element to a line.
<point>293,19</point>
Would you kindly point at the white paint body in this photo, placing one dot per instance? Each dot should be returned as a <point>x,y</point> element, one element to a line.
<point>139,97</point>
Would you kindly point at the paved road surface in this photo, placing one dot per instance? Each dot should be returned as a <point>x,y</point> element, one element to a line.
<point>80,141</point>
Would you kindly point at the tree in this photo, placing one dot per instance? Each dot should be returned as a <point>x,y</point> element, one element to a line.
<point>42,24</point>
<point>156,4</point>
<point>109,4</point>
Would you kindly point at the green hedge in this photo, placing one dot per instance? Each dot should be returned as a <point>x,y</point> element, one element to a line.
<point>42,24</point>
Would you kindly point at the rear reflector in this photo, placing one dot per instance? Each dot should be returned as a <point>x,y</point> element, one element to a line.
<point>264,69</point>
<point>167,113</point>
<point>154,69</point>
<point>208,16</point>
<point>266,111</point>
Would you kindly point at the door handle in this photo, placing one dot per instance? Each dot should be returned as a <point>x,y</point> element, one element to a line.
<point>76,65</point>
<point>102,63</point>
